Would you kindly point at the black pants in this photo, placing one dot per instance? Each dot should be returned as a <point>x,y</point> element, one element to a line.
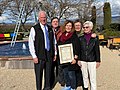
<point>79,78</point>
<point>46,65</point>
<point>54,73</point>
<point>61,78</point>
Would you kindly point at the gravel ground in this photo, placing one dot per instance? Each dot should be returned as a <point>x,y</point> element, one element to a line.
<point>108,75</point>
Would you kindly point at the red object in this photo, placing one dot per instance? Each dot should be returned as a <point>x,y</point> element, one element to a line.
<point>64,37</point>
<point>1,35</point>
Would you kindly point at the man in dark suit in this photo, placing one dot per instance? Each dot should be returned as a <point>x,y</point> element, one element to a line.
<point>42,47</point>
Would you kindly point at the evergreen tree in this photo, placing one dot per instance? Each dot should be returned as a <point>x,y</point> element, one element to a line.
<point>93,19</point>
<point>107,15</point>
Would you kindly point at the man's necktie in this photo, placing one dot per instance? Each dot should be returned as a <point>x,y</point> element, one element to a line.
<point>47,39</point>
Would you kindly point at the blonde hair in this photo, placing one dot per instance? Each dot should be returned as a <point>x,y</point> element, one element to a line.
<point>89,23</point>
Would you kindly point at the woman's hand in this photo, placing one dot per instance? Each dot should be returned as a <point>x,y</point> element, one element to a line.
<point>79,63</point>
<point>93,35</point>
<point>73,61</point>
<point>97,64</point>
<point>76,56</point>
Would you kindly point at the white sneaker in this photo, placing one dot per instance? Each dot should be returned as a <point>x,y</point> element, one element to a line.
<point>73,89</point>
<point>66,88</point>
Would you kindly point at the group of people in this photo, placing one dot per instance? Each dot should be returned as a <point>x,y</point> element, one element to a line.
<point>43,45</point>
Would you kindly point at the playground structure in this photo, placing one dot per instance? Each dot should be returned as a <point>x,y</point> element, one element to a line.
<point>20,17</point>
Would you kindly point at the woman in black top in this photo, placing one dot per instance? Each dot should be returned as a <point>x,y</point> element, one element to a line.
<point>69,37</point>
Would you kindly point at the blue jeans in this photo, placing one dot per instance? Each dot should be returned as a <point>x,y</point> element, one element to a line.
<point>70,78</point>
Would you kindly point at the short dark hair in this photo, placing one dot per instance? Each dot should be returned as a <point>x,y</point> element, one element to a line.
<point>54,18</point>
<point>77,20</point>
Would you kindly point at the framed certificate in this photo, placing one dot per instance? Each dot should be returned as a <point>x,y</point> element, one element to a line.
<point>65,53</point>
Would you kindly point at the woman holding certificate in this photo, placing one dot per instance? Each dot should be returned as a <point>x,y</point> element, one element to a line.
<point>70,42</point>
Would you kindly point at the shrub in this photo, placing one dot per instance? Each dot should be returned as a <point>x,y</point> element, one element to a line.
<point>111,32</point>
<point>115,26</point>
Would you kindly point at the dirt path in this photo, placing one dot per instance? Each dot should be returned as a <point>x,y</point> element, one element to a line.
<point>108,75</point>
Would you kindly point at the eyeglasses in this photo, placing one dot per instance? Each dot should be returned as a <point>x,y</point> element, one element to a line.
<point>85,27</point>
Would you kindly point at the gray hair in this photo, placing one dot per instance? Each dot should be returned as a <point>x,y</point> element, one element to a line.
<point>89,23</point>
<point>41,12</point>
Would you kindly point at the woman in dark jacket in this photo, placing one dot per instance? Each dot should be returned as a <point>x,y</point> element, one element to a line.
<point>69,37</point>
<point>89,56</point>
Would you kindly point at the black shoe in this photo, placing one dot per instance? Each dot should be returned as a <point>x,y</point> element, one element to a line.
<point>48,88</point>
<point>62,84</point>
<point>85,88</point>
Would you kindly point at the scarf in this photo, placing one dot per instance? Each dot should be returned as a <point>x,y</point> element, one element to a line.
<point>64,38</point>
<point>87,37</point>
